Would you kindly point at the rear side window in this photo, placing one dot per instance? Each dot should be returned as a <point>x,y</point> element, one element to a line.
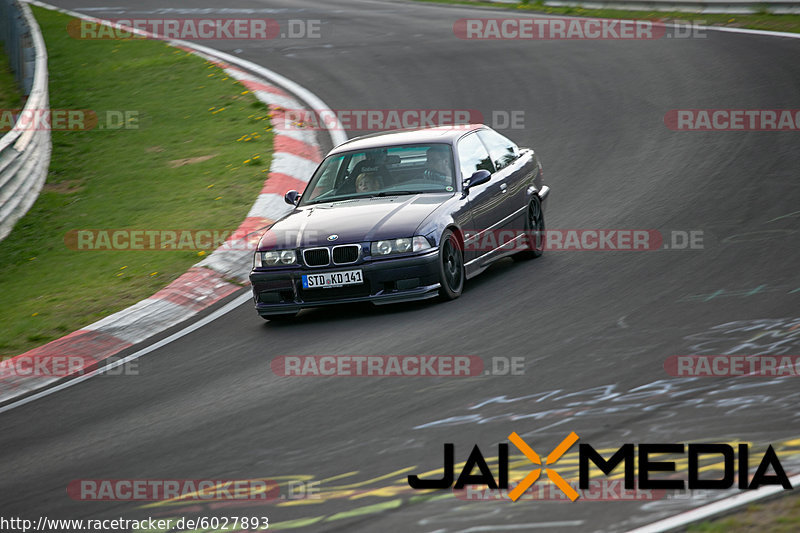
<point>502,151</point>
<point>472,156</point>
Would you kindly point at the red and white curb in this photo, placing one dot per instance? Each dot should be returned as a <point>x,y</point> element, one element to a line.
<point>295,156</point>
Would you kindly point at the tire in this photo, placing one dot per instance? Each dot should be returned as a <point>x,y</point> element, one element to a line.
<point>451,266</point>
<point>534,227</point>
<point>280,318</point>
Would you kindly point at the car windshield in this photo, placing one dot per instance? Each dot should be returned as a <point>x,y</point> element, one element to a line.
<point>386,171</point>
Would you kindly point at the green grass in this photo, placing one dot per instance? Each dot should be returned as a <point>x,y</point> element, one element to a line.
<point>760,21</point>
<point>776,516</point>
<point>10,94</point>
<point>105,179</point>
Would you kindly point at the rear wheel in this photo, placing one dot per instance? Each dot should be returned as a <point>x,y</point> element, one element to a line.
<point>534,229</point>
<point>451,266</point>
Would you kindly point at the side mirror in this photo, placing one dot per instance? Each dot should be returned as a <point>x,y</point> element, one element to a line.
<point>479,177</point>
<point>292,197</point>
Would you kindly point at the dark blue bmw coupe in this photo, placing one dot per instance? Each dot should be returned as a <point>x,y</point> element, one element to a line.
<point>399,216</point>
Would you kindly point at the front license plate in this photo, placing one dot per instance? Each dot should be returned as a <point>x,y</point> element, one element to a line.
<point>332,279</point>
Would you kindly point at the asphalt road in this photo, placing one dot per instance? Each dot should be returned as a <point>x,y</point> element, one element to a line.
<point>594,328</point>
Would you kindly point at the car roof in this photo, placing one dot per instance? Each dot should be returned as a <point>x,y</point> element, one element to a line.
<point>437,134</point>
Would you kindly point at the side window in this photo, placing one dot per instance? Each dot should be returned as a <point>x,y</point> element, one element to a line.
<point>472,156</point>
<point>324,179</point>
<point>502,150</point>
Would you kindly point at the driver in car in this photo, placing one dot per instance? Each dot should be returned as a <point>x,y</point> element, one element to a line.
<point>437,167</point>
<point>367,182</point>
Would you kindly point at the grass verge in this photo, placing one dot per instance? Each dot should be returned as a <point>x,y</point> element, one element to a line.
<point>776,516</point>
<point>195,159</point>
<point>759,21</point>
<point>10,95</point>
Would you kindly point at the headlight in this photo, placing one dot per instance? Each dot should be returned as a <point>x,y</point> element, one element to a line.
<point>288,257</point>
<point>399,246</point>
<point>403,245</point>
<point>274,258</point>
<point>381,248</point>
<point>420,243</point>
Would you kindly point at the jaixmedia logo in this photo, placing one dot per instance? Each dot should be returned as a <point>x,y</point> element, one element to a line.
<point>639,467</point>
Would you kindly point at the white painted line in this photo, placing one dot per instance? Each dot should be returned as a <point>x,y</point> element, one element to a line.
<point>750,32</point>
<point>517,527</point>
<point>230,306</point>
<point>680,521</point>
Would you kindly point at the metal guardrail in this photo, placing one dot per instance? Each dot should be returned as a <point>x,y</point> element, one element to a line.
<point>777,7</point>
<point>25,150</point>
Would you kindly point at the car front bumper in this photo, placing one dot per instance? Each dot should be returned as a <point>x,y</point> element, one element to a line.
<point>399,279</point>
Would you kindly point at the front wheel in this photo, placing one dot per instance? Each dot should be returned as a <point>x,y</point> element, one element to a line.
<point>534,229</point>
<point>451,266</point>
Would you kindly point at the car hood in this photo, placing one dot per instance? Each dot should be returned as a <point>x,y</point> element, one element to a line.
<point>358,220</point>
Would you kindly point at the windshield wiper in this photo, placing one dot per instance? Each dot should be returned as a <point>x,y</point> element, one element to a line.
<point>381,194</point>
<point>335,199</point>
<point>396,193</point>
